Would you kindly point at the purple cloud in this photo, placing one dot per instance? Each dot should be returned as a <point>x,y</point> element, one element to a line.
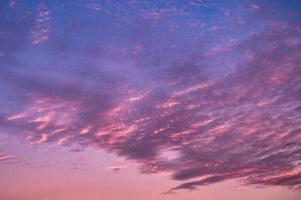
<point>203,107</point>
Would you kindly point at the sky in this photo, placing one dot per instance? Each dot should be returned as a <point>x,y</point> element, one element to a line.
<point>141,99</point>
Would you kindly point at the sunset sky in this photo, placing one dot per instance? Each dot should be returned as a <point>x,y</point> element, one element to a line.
<point>150,100</point>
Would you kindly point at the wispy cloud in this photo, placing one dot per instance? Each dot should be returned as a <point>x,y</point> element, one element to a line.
<point>7,159</point>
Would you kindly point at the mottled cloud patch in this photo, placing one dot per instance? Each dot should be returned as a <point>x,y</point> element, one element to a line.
<point>12,3</point>
<point>40,31</point>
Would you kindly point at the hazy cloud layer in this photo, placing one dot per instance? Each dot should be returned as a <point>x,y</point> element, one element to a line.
<point>205,91</point>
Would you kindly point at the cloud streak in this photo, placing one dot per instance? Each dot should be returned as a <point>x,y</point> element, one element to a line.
<point>7,159</point>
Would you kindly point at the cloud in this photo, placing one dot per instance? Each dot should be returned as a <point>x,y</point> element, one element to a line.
<point>41,29</point>
<point>115,168</point>
<point>202,113</point>
<point>7,159</point>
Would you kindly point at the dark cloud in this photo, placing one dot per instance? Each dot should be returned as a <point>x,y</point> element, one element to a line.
<point>202,106</point>
<point>116,168</point>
